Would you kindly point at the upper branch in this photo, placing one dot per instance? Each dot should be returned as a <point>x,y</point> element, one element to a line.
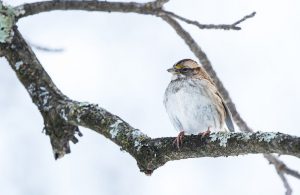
<point>125,7</point>
<point>152,7</point>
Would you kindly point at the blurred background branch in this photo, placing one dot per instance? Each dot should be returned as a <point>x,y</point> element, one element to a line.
<point>45,48</point>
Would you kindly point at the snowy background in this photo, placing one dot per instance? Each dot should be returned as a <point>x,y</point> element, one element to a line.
<point>119,61</point>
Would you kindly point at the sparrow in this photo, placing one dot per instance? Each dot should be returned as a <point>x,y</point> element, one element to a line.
<point>193,102</point>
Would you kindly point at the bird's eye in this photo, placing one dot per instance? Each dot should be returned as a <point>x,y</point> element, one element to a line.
<point>184,69</point>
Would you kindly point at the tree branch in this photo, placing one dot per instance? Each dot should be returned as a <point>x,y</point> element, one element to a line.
<point>61,120</point>
<point>150,154</point>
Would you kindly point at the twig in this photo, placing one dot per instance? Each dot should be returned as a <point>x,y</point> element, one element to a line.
<point>285,183</point>
<point>211,26</point>
<point>281,166</point>
<point>244,18</point>
<point>291,172</point>
<point>280,169</point>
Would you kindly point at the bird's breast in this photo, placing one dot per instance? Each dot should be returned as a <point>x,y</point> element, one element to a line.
<point>190,106</point>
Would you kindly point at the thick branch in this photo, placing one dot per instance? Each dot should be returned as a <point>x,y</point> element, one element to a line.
<point>153,153</point>
<point>43,92</point>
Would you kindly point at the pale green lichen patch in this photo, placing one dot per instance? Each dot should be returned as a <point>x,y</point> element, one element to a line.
<point>83,107</point>
<point>19,10</point>
<point>114,129</point>
<point>31,89</point>
<point>138,137</point>
<point>18,64</point>
<point>137,144</point>
<point>7,20</point>
<point>84,104</point>
<point>63,115</point>
<point>136,134</point>
<point>45,98</point>
<point>244,136</point>
<point>213,137</point>
<point>266,136</point>
<point>221,136</point>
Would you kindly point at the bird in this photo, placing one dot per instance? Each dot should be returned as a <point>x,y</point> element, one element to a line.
<point>193,102</point>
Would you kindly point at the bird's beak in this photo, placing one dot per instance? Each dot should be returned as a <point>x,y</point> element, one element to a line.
<point>171,70</point>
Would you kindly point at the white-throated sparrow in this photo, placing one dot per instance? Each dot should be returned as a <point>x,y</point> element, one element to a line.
<point>193,102</point>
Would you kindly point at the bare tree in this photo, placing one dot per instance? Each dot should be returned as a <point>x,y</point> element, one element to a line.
<point>62,115</point>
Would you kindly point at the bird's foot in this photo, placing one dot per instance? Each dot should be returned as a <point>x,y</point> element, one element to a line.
<point>205,133</point>
<point>179,139</point>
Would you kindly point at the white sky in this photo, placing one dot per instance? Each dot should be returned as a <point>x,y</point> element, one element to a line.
<point>113,60</point>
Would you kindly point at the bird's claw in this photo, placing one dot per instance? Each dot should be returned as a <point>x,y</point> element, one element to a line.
<point>205,133</point>
<point>179,139</point>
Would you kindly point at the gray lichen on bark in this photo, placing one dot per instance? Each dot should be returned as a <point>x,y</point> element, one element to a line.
<point>7,21</point>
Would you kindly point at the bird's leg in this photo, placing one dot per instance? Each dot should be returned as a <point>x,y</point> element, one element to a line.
<point>179,139</point>
<point>205,133</point>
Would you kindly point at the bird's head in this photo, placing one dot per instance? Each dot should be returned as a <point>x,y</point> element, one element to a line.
<point>184,68</point>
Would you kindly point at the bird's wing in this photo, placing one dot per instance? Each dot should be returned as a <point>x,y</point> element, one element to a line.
<point>219,102</point>
<point>228,118</point>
